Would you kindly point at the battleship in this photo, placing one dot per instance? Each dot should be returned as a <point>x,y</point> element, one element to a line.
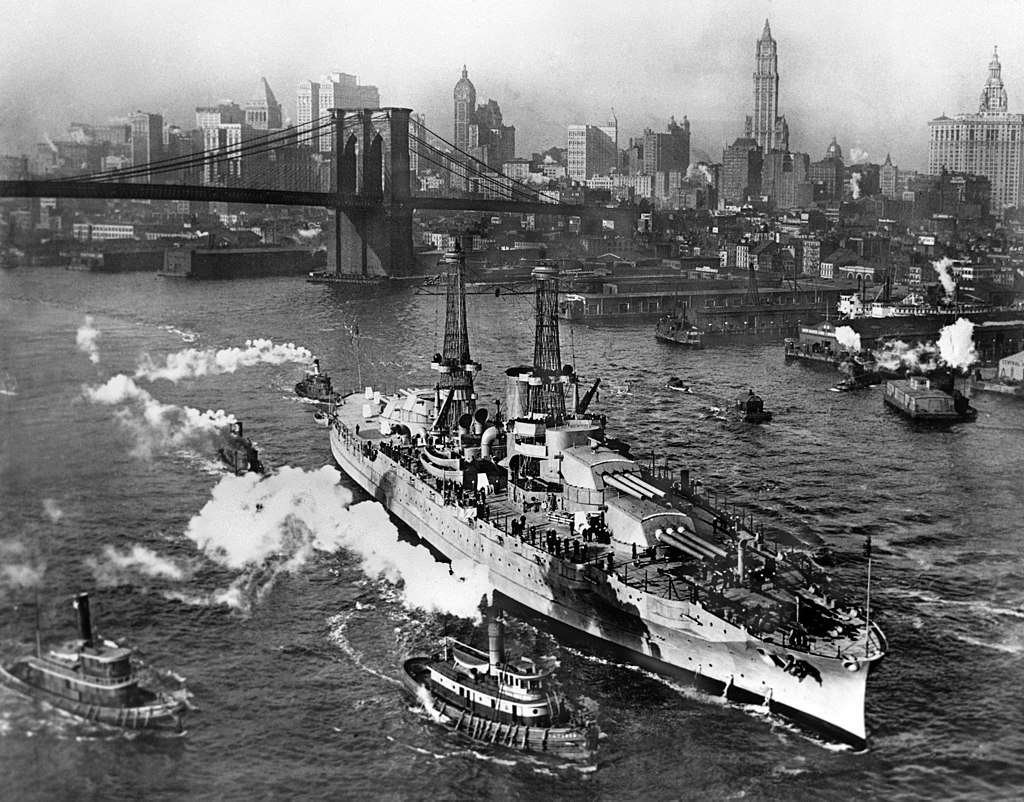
<point>634,558</point>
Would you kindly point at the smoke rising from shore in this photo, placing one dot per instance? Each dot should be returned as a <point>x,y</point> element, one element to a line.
<point>848,338</point>
<point>956,344</point>
<point>942,267</point>
<point>274,525</point>
<point>192,362</point>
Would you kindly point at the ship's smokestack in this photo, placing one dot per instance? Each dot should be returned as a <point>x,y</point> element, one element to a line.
<point>81,604</point>
<point>495,641</point>
<point>739,561</point>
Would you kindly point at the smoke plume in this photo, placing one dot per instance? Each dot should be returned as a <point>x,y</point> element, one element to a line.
<point>125,567</point>
<point>192,362</point>
<point>848,338</point>
<point>160,427</point>
<point>942,267</point>
<point>858,155</point>
<point>86,340</point>
<point>700,172</point>
<point>264,528</point>
<point>956,344</point>
<point>855,185</point>
<point>898,355</point>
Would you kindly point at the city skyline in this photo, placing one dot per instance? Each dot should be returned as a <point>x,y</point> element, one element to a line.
<point>873,75</point>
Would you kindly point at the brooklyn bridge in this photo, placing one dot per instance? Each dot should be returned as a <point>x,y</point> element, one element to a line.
<point>360,171</point>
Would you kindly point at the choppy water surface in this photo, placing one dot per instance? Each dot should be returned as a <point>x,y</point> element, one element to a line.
<point>289,603</point>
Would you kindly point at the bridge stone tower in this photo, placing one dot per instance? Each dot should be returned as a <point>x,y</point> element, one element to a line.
<point>370,176</point>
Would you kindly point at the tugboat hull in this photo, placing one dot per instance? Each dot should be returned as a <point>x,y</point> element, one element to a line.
<point>573,742</point>
<point>160,715</point>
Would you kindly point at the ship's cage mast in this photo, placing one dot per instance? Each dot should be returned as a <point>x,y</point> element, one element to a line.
<point>454,389</point>
<point>546,394</point>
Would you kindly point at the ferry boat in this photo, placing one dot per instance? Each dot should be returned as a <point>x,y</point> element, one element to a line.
<point>316,385</point>
<point>919,400</point>
<point>630,558</point>
<point>94,679</point>
<point>239,453</point>
<point>497,701</point>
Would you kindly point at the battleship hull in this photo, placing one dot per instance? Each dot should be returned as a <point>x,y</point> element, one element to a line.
<point>671,636</point>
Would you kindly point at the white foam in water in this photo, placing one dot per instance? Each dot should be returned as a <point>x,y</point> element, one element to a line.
<point>266,525</point>
<point>192,362</point>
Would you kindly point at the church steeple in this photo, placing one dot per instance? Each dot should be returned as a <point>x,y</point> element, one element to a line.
<point>993,96</point>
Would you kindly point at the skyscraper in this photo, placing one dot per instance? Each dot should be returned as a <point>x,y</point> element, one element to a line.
<point>263,113</point>
<point>888,177</point>
<point>669,151</point>
<point>765,126</point>
<point>147,140</point>
<point>465,107</point>
<point>989,143</point>
<point>741,170</point>
<point>590,152</point>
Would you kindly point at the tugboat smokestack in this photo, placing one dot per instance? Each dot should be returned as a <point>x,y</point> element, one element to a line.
<point>495,642</point>
<point>81,604</point>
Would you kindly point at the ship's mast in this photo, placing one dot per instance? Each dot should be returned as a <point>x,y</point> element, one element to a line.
<point>455,396</point>
<point>546,394</point>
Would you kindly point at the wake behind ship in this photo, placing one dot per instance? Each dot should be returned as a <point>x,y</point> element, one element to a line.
<point>572,528</point>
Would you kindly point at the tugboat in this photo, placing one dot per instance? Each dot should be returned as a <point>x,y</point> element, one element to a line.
<point>492,700</point>
<point>238,453</point>
<point>753,409</point>
<point>631,557</point>
<point>317,386</point>
<point>94,679</point>
<point>919,400</point>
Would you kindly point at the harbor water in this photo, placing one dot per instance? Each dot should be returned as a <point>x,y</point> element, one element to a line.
<point>289,602</point>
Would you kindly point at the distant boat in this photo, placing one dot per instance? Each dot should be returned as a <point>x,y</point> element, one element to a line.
<point>495,701</point>
<point>678,330</point>
<point>677,384</point>
<point>752,408</point>
<point>916,398</point>
<point>95,680</point>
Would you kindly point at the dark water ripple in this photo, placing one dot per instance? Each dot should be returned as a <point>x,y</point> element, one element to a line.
<point>296,697</point>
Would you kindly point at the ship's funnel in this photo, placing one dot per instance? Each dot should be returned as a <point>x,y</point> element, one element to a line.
<point>465,421</point>
<point>81,604</point>
<point>495,642</point>
<point>236,428</point>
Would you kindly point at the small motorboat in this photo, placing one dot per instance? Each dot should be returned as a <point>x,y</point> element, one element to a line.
<point>677,384</point>
<point>492,700</point>
<point>322,418</point>
<point>94,679</point>
<point>316,385</point>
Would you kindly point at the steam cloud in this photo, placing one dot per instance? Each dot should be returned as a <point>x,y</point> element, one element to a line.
<point>848,338</point>
<point>122,567</point>
<point>898,355</point>
<point>956,344</point>
<point>700,171</point>
<point>942,267</point>
<point>16,570</point>
<point>86,340</point>
<point>858,155</point>
<point>193,362</point>
<point>160,427</point>
<point>267,527</point>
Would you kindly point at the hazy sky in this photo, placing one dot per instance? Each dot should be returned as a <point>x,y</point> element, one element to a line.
<point>871,73</point>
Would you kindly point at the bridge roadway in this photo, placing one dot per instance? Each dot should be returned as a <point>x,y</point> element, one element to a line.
<point>115,190</point>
